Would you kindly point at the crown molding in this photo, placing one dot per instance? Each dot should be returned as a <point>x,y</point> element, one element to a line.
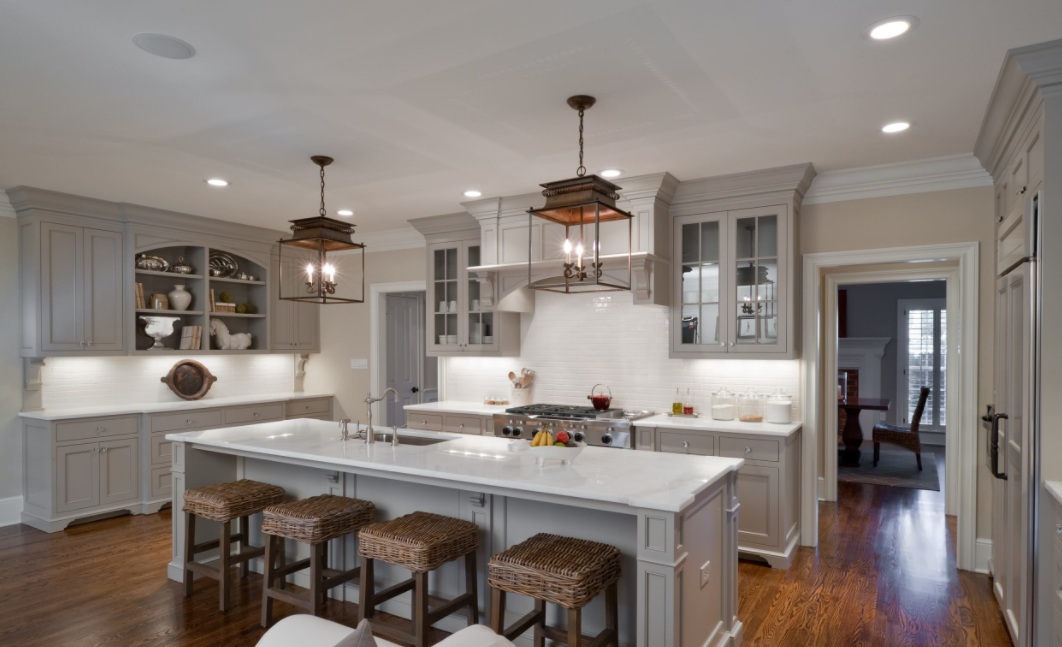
<point>6,210</point>
<point>922,176</point>
<point>782,180</point>
<point>390,240</point>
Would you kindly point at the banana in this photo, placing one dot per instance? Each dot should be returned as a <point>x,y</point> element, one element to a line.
<point>542,438</point>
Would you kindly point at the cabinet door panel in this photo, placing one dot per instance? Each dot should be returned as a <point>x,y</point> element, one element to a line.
<point>77,477</point>
<point>103,290</point>
<point>426,421</point>
<point>702,311</point>
<point>119,471</point>
<point>282,319</point>
<point>161,483</point>
<point>463,424</point>
<point>61,310</point>
<point>758,495</point>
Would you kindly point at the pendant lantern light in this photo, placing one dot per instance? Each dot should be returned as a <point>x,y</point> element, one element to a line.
<point>320,263</point>
<point>582,205</point>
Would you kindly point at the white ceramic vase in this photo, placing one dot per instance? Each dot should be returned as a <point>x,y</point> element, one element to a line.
<point>180,298</point>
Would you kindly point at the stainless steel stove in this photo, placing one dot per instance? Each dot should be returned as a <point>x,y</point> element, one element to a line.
<point>608,428</point>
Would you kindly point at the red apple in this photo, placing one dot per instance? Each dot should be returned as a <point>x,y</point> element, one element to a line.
<point>562,437</point>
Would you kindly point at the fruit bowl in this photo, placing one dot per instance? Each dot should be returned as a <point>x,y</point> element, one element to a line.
<point>552,452</point>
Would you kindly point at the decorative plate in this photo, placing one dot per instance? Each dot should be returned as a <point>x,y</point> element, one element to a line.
<point>189,379</point>
<point>226,265</point>
<point>152,263</point>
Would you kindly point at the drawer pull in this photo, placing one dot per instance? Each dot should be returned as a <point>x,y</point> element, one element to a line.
<point>255,414</point>
<point>188,422</point>
<point>96,449</point>
<point>100,430</point>
<point>686,446</point>
<point>104,450</point>
<point>461,426</point>
<point>748,450</point>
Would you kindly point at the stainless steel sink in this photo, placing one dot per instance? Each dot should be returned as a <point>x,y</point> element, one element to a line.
<point>410,440</point>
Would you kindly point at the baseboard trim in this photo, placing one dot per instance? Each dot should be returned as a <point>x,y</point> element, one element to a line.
<point>983,556</point>
<point>10,511</point>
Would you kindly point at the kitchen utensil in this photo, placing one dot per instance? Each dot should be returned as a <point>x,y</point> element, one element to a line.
<point>601,401</point>
<point>512,378</point>
<point>525,381</point>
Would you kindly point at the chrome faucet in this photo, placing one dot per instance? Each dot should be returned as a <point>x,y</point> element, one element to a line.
<point>370,436</point>
<point>344,432</point>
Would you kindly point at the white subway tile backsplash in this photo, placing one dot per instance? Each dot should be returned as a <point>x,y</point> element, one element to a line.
<point>573,342</point>
<point>91,381</point>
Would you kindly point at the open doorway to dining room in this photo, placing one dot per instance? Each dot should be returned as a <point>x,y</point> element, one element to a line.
<point>957,265</point>
<point>892,384</point>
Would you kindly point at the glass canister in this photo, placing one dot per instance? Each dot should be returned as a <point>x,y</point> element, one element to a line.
<point>780,408</point>
<point>724,405</point>
<point>750,407</point>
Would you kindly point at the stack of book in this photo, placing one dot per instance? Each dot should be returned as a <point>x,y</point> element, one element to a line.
<point>191,338</point>
<point>140,302</point>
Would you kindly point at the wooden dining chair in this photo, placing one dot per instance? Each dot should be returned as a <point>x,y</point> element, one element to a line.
<point>906,437</point>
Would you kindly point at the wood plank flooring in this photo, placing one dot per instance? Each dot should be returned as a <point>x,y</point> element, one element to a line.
<point>884,575</point>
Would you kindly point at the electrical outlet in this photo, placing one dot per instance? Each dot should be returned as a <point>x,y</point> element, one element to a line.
<point>706,573</point>
<point>359,362</point>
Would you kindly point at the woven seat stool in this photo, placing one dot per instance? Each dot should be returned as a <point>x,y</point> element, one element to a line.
<point>315,521</point>
<point>224,502</point>
<point>562,570</point>
<point>419,542</point>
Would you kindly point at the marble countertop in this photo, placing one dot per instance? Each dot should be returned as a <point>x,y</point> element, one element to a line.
<point>162,407</point>
<point>1054,488</point>
<point>460,407</point>
<point>664,421</point>
<point>651,480</point>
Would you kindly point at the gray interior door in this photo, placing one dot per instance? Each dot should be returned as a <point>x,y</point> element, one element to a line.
<point>404,354</point>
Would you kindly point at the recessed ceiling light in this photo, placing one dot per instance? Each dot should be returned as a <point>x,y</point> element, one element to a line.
<point>216,181</point>
<point>611,172</point>
<point>346,213</point>
<point>472,193</point>
<point>891,27</point>
<point>163,45</point>
<point>895,127</point>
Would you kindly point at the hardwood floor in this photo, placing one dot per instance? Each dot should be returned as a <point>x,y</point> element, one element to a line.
<point>884,575</point>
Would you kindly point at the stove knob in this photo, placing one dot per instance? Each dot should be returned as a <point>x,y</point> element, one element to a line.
<point>606,439</point>
<point>517,432</point>
<point>507,430</point>
<point>578,436</point>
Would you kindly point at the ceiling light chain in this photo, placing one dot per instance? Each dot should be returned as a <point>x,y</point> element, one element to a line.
<point>323,212</point>
<point>581,171</point>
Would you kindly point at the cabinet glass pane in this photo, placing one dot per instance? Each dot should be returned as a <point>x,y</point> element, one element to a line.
<point>439,264</point>
<point>700,287</point>
<point>768,236</point>
<point>745,238</point>
<point>480,327</point>
<point>757,297</point>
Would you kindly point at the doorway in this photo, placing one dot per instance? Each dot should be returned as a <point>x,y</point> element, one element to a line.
<point>955,263</point>
<point>397,348</point>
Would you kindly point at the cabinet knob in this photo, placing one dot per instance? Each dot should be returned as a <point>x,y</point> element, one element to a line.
<point>461,426</point>
<point>88,343</point>
<point>104,450</point>
<point>686,446</point>
<point>188,422</point>
<point>1058,528</point>
<point>748,450</point>
<point>255,414</point>
<point>96,449</point>
<point>100,430</point>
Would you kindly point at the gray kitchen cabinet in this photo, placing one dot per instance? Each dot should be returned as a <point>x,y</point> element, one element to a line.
<point>317,408</point>
<point>72,296</point>
<point>294,326</point>
<point>76,468</point>
<point>458,423</point>
<point>462,317</point>
<point>768,484</point>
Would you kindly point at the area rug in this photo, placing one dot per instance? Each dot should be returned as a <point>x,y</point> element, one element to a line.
<point>896,468</point>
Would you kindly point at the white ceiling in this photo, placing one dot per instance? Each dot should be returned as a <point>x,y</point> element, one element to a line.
<point>420,99</point>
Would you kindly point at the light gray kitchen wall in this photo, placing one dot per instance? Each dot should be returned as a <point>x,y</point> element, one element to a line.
<point>10,364</point>
<point>574,341</point>
<point>872,312</point>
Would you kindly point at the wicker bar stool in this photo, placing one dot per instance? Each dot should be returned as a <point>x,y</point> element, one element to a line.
<point>314,521</point>
<point>562,570</point>
<point>420,542</point>
<point>224,502</point>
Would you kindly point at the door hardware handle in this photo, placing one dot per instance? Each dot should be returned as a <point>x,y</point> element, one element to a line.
<point>993,444</point>
<point>415,389</point>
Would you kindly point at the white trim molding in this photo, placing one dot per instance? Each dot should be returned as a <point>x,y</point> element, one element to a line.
<point>823,272</point>
<point>390,240</point>
<point>6,210</point>
<point>902,178</point>
<point>10,511</point>
<point>983,563</point>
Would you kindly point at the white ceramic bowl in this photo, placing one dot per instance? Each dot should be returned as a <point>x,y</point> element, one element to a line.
<point>552,452</point>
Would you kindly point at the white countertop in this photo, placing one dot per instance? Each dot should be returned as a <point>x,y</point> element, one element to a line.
<point>656,481</point>
<point>460,407</point>
<point>1054,488</point>
<point>706,423</point>
<point>160,407</point>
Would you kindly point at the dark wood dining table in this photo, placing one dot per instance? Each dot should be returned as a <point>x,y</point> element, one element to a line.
<point>853,432</point>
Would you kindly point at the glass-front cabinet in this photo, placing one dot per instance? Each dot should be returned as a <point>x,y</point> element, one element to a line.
<point>459,319</point>
<point>730,290</point>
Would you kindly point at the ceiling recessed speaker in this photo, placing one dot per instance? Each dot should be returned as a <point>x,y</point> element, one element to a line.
<point>163,45</point>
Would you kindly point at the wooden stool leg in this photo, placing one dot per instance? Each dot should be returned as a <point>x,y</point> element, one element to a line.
<point>612,613</point>
<point>575,627</point>
<point>497,610</point>
<point>189,551</point>
<point>420,609</point>
<point>877,453</point>
<point>223,564</point>
<point>366,589</point>
<point>268,576</point>
<point>316,566</point>
<point>540,612</point>
<point>243,542</point>
<point>918,456</point>
<point>471,587</point>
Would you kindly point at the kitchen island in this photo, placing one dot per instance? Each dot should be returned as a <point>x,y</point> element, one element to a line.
<point>673,517</point>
